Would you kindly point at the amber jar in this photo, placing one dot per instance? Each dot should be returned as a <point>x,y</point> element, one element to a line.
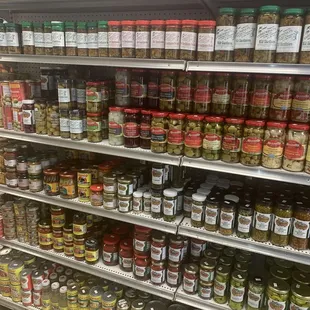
<point>51,181</point>
<point>91,251</point>
<point>67,185</point>
<point>79,249</point>
<point>58,241</point>
<point>45,235</point>
<point>79,224</point>
<point>131,128</point>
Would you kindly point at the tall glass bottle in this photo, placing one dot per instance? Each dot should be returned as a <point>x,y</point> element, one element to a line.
<point>55,295</point>
<point>63,298</point>
<point>46,295</point>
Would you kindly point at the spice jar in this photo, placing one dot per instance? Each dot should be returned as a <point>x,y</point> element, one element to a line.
<point>175,139</point>
<point>157,39</point>
<point>141,267</point>
<point>227,217</point>
<point>153,89</point>
<point>126,255</point>
<point>221,283</point>
<point>198,210</point>
<point>116,121</point>
<point>158,132</point>
<point>28,116</point>
<point>142,39</point>
<point>45,235</point>
<point>122,87</point>
<point>38,38</point>
<point>289,36</point>
<point>70,39</point>
<point>138,88</point>
<point>175,249</point>
<point>13,37</point>
<point>167,91</point>
<point>92,39</point>
<point>170,204</point>
<point>58,39</point>
<point>81,39</point>
<point>237,290</point>
<point>231,145</point>
<point>52,119</point>
<point>184,94</point>
<point>225,35</point>
<point>96,195</point>
<point>277,293</point>
<point>221,94</point>
<point>172,39</point>
<point>255,293</point>
<point>128,38</point>
<point>115,38</point>
<point>51,181</point>
<point>103,38</point>
<point>244,221</point>
<point>188,42</point>
<point>190,279</point>
<point>145,129</point>
<point>206,38</point>
<point>67,185</point>
<point>28,38</point>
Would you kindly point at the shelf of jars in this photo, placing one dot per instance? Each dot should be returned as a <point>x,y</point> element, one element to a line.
<point>74,204</point>
<point>97,61</point>
<point>113,273</point>
<point>10,304</point>
<point>264,248</point>
<point>101,147</point>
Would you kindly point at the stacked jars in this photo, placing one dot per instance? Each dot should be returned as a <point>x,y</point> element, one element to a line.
<point>34,169</point>
<point>58,220</point>
<point>84,181</point>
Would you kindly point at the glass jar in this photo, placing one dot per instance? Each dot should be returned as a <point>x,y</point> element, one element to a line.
<point>277,292</point>
<point>51,181</point>
<point>289,36</point>
<point>58,39</point>
<point>202,93</point>
<point>175,139</point>
<point>225,35</point>
<point>11,178</point>
<point>153,89</point>
<point>188,42</point>
<point>206,38</point>
<point>13,37</point>
<point>128,38</point>
<point>300,297</point>
<point>21,165</point>
<point>23,181</point>
<point>3,40</point>
<point>193,142</point>
<point>295,147</point>
<point>300,277</point>
<point>184,93</point>
<point>252,143</point>
<point>212,212</point>
<point>158,272</point>
<point>198,210</point>
<point>70,39</point>
<point>227,217</point>
<point>231,144</point>
<point>147,204</point>
<point>28,116</point>
<point>143,39</point>
<point>256,292</point>
<point>40,114</point>
<point>94,124</point>
<point>238,284</point>
<point>81,39</point>
<point>172,39</point>
<point>301,223</point>
<point>190,279</point>
<point>142,267</point>
<point>47,82</point>
<point>142,240</point>
<point>109,201</point>
<point>145,129</point>
<point>96,195</point>
<point>92,39</point>
<point>124,185</point>
<point>76,125</point>
<point>158,246</point>
<point>245,35</point>
<point>304,51</point>
<point>115,38</point>
<point>122,87</point>
<point>262,219</point>
<point>159,132</point>
<point>170,204</point>
<point>116,122</point>
<point>244,221</point>
<point>158,39</point>
<point>175,249</point>
<point>64,121</point>
<point>93,97</point>
<point>52,119</point>
<point>221,284</point>
<point>34,165</point>
<point>91,251</point>
<point>110,183</point>
<point>240,96</point>
<point>79,224</point>
<point>38,38</point>
<point>126,255</point>
<point>221,94</point>
<point>28,38</point>
<point>167,91</point>
<point>64,94</point>
<point>48,43</point>
<point>138,88</point>
<point>103,38</point>
<point>45,235</point>
<point>67,185</point>
<point>155,205</point>
<point>10,155</point>
<point>79,249</point>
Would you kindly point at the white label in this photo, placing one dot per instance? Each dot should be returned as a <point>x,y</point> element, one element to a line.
<point>80,95</point>
<point>141,245</point>
<point>21,167</point>
<point>110,204</point>
<point>158,253</point>
<point>12,39</point>
<point>28,38</point>
<point>34,169</point>
<point>137,204</point>
<point>125,189</point>
<point>58,38</point>
<point>305,46</point>
<point>38,39</point>
<point>262,221</point>
<point>64,124</point>
<point>274,304</point>
<point>197,213</point>
<point>28,117</point>
<point>205,42</point>
<point>81,40</point>
<point>35,184</point>
<point>266,37</point>
<point>172,41</point>
<point>70,39</point>
<point>63,95</point>
<point>189,285</point>
<point>211,216</point>
<point>157,176</point>
<point>173,277</point>
<point>110,257</point>
<point>110,188</point>
<point>125,262</point>
<point>187,204</point>
<point>142,39</point>
<point>124,206</point>
<point>227,220</point>
<point>245,35</point>
<point>296,307</point>
<point>197,249</point>
<point>10,162</point>
<point>158,39</point>
<point>225,38</point>
<point>115,40</point>
<point>174,254</point>
<point>103,39</point>
<point>219,288</point>
<point>205,292</point>
<point>11,182</point>
<point>3,41</point>
<point>48,43</point>
<point>158,276</point>
<point>289,39</point>
<point>244,223</point>
<point>140,271</point>
<point>206,276</point>
<point>155,204</point>
<point>92,40</point>
<point>128,39</point>
<point>301,229</point>
<point>282,226</point>
<point>170,207</point>
<point>76,126</point>
<point>237,293</point>
<point>254,300</point>
<point>188,41</point>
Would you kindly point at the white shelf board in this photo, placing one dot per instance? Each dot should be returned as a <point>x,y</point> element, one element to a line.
<point>10,304</point>
<point>73,204</point>
<point>263,248</point>
<point>112,273</point>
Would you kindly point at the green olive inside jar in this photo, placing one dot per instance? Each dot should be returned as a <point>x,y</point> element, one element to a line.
<point>202,97</point>
<point>300,296</point>
<point>277,294</point>
<point>305,44</point>
<point>256,292</point>
<point>167,91</point>
<point>221,284</point>
<point>244,221</point>
<point>206,40</point>
<point>158,39</point>
<point>94,124</point>
<point>212,212</point>
<point>13,38</point>
<point>159,132</point>
<point>238,285</point>
<point>175,139</point>
<point>227,217</point>
<point>172,39</point>
<point>184,93</point>
<point>188,40</point>
<point>198,210</point>
<point>221,93</point>
<point>143,36</point>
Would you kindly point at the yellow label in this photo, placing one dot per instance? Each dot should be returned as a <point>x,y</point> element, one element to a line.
<point>46,304</point>
<point>79,250</point>
<point>46,239</point>
<point>51,188</point>
<point>301,105</point>
<point>14,275</point>
<point>58,220</point>
<point>91,256</point>
<point>58,243</point>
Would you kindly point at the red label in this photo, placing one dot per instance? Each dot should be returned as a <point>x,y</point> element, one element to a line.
<point>121,88</point>
<point>175,136</point>
<point>294,150</point>
<point>252,145</point>
<point>240,97</point>
<point>202,94</point>
<point>18,91</point>
<point>131,130</point>
<point>193,139</point>
<point>261,98</point>
<point>145,131</point>
<point>302,96</point>
<point>115,129</point>
<point>158,135</point>
<point>184,92</point>
<point>167,91</point>
<point>221,91</point>
<point>138,90</point>
<point>231,143</point>
<point>152,90</point>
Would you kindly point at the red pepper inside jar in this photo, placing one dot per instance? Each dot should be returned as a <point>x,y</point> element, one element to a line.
<point>158,247</point>
<point>131,128</point>
<point>158,272</point>
<point>141,267</point>
<point>122,230</point>
<point>145,129</point>
<point>138,88</point>
<point>174,275</point>
<point>110,249</point>
<point>190,279</point>
<point>175,249</point>
<point>142,240</point>
<point>126,255</point>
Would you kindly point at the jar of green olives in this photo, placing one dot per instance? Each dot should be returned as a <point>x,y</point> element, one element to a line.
<point>194,123</point>
<point>212,141</point>
<point>170,204</point>
<point>212,212</point>
<point>40,113</point>
<point>167,91</point>
<point>76,125</point>
<point>252,143</point>
<point>159,132</point>
<point>277,294</point>
<point>245,218</point>
<point>237,290</point>
<point>193,144</point>
<point>300,297</point>
<point>198,210</point>
<point>255,294</point>
<point>52,118</point>
<point>94,124</point>
<point>227,217</point>
<point>221,93</point>
<point>231,144</point>
<point>175,140</point>
<point>184,94</point>
<point>221,283</point>
<point>202,93</point>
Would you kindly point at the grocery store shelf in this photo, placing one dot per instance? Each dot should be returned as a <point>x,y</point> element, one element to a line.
<point>10,304</point>
<point>102,147</point>
<point>213,66</point>
<point>97,61</point>
<point>266,248</point>
<point>112,273</point>
<point>74,204</point>
<point>281,175</point>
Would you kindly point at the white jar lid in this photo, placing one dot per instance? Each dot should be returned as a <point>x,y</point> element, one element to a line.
<point>206,185</point>
<point>147,195</point>
<point>199,197</point>
<point>28,101</point>
<point>170,192</point>
<point>203,191</point>
<point>178,189</point>
<point>137,194</point>
<point>233,198</point>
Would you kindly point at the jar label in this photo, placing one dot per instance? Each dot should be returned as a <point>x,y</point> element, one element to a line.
<point>79,250</point>
<point>93,126</point>
<point>227,220</point>
<point>92,40</point>
<point>12,39</point>
<point>266,37</point>
<point>193,139</point>
<point>115,129</point>
<point>203,94</point>
<point>28,117</point>
<point>156,205</point>
<point>10,162</point>
<point>205,292</point>
<point>128,39</point>
<point>158,176</point>
<point>58,39</point>
<point>206,42</point>
<point>225,38</point>
<point>197,213</point>
<point>70,39</point>
<point>206,275</point>
<point>237,294</point>
<point>84,179</point>
<point>175,136</point>
<point>173,277</point>
<point>115,39</point>
<point>301,229</point>
<point>67,190</point>
<point>172,41</point>
<point>212,142</point>
<point>110,204</point>
<point>175,255</point>
<point>126,262</point>
<point>38,39</point>
<point>231,143</point>
<point>76,126</point>
<point>188,41</point>
<point>124,206</point>
<point>282,226</point>
<point>197,248</point>
<point>301,102</point>
<point>3,41</point>
<point>45,239</point>
<point>110,257</point>
<point>282,101</point>
<point>58,243</point>
<point>245,36</point>
<point>131,130</point>
<point>152,90</point>
<point>141,245</point>
<point>11,182</point>
<point>190,285</point>
<point>22,183</point>
<point>169,206</point>
<point>261,98</point>
<point>240,97</point>
<point>273,148</point>
<point>91,255</point>
<point>142,40</point>
<point>187,204</point>
<point>211,216</point>
<point>289,39</point>
<point>124,189</point>
<point>138,90</point>
<point>79,229</point>
<point>296,307</point>
<point>96,199</point>
<point>219,288</point>
<point>244,223</point>
<point>294,150</point>
<point>35,185</point>
<point>255,300</point>
<point>145,131</point>
<point>158,135</point>
<point>275,304</point>
<point>48,43</point>
<point>262,221</point>
<point>81,40</point>
<point>252,145</point>
<point>28,38</point>
<point>110,188</point>
<point>137,204</point>
<point>58,220</point>
<point>184,93</point>
<point>158,253</point>
<point>64,95</point>
<point>305,46</point>
<point>158,276</point>
<point>221,95</point>
<point>102,39</point>
<point>158,39</point>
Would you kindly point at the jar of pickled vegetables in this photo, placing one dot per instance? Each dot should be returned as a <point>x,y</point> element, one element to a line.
<point>193,143</point>
<point>167,91</point>
<point>221,93</point>
<point>67,185</point>
<point>52,119</point>
<point>238,285</point>
<point>198,210</point>
<point>244,221</point>
<point>256,292</point>
<point>184,94</point>
<point>188,43</point>
<point>221,284</point>
<point>212,212</point>
<point>159,132</point>
<point>115,38</point>
<point>227,217</point>
<point>202,93</point>
<point>277,294</point>
<point>143,35</point>
<point>175,139</point>
<point>116,122</point>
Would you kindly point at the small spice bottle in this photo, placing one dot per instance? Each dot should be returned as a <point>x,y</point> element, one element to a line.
<point>58,38</point>
<point>28,38</point>
<point>128,38</point>
<point>38,33</point>
<point>103,43</point>
<point>115,38</point>
<point>206,38</point>
<point>48,42</point>
<point>70,39</point>
<point>92,39</point>
<point>81,38</point>
<point>172,39</point>
<point>158,39</point>
<point>143,39</point>
<point>188,43</point>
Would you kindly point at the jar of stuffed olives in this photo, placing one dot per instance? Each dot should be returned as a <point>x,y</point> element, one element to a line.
<point>305,45</point>
<point>40,112</point>
<point>188,40</point>
<point>255,294</point>
<point>172,39</point>
<point>244,221</point>
<point>295,147</point>
<point>159,132</point>
<point>262,219</point>
<point>289,37</point>
<point>184,93</point>
<point>231,144</point>
<point>153,89</point>
<point>103,38</point>
<point>175,139</point>
<point>221,93</point>
<point>116,122</point>
<point>143,39</point>
<point>202,93</point>
<point>64,122</point>
<point>238,284</point>
<point>170,204</point>
<point>115,38</point>
<point>212,212</point>
<point>240,96</point>
<point>212,141</point>
<point>261,97</point>
<point>194,123</point>
<point>158,39</point>
<point>252,143</point>
<point>167,91</point>
<point>227,217</point>
<point>198,210</point>
<point>52,118</point>
<point>277,293</point>
<point>128,38</point>
<point>193,143</point>
<point>206,38</point>
<point>225,35</point>
<point>221,284</point>
<point>94,124</point>
<point>267,34</point>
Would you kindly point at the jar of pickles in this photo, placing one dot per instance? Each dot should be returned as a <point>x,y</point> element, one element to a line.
<point>175,139</point>
<point>238,284</point>
<point>142,39</point>
<point>221,283</point>
<point>198,210</point>
<point>193,143</point>
<point>167,91</point>
<point>277,293</point>
<point>159,132</point>
<point>221,94</point>
<point>255,293</point>
<point>212,212</point>
<point>115,38</point>
<point>227,217</point>
<point>244,220</point>
<point>206,38</point>
<point>170,204</point>
<point>40,114</point>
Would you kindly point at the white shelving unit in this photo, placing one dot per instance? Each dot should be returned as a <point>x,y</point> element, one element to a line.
<point>10,304</point>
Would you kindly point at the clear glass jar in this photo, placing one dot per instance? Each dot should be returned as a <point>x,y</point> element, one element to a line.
<point>212,212</point>
<point>238,285</point>
<point>159,132</point>
<point>40,113</point>
<point>175,139</point>
<point>202,93</point>
<point>128,38</point>
<point>295,147</point>
<point>153,89</point>
<point>184,93</point>
<point>3,40</point>
<point>188,42</point>
<point>158,39</point>
<point>138,88</point>
<point>64,124</point>
<point>13,37</point>
<point>116,122</point>
<point>244,221</point>
<point>221,94</point>
<point>267,34</point>
<point>92,39</point>
<point>103,43</point>
<point>190,279</point>
<point>38,38</point>
<point>70,39</point>
<point>206,40</point>
<point>81,39</point>
<point>198,210</point>
<point>28,116</point>
<point>94,124</point>
<point>225,35</point>
<point>300,297</point>
<point>143,36</point>
<point>76,125</point>
<point>194,123</point>
<point>256,292</point>
<point>278,292</point>
<point>227,217</point>
<point>193,143</point>
<point>28,38</point>
<point>52,119</point>
<point>289,37</point>
<point>48,43</point>
<point>170,204</point>
<point>58,39</point>
<point>221,284</point>
<point>115,38</point>
<point>167,91</point>
<point>145,129</point>
<point>122,87</point>
<point>131,128</point>
<point>172,39</point>
<point>305,45</point>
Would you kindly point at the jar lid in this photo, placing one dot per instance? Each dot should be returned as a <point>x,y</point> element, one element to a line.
<point>158,236</point>
<point>294,11</point>
<point>214,119</point>
<point>239,275</point>
<point>301,291</point>
<point>48,24</point>
<point>191,268</point>
<point>92,24</point>
<point>227,11</point>
<point>177,115</point>
<point>116,109</point>
<point>210,23</point>
<point>237,121</point>
<point>70,24</point>
<point>126,244</point>
<point>160,114</point>
<point>147,195</point>
<point>157,22</point>
<point>137,194</point>
<point>173,22</point>
<point>114,23</point>
<point>190,22</point>
<point>195,117</point>
<point>276,124</point>
<point>142,229</point>
<point>111,239</point>
<point>146,112</point>
<point>26,24</point>
<point>298,126</point>
<point>142,22</point>
<point>208,262</point>
<point>176,239</point>
<point>213,199</point>
<point>284,263</point>
<point>199,197</point>
<point>269,9</point>
<point>170,192</point>
<point>81,25</point>
<point>51,171</point>
<point>102,23</point>
<point>128,22</point>
<point>224,270</point>
<point>255,123</point>
<point>91,242</point>
<point>28,101</point>
<point>96,188</point>
<point>132,111</point>
<point>248,11</point>
<point>37,24</point>
<point>301,277</point>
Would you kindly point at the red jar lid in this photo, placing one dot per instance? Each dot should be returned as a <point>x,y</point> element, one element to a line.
<point>255,123</point>
<point>96,188</point>
<point>195,117</point>
<point>122,229</point>
<point>173,22</point>
<point>142,229</point>
<point>210,23</point>
<point>177,116</point>
<point>116,109</point>
<point>306,78</point>
<point>299,126</point>
<point>142,22</point>
<point>160,114</point>
<point>94,114</point>
<point>114,23</point>
<point>128,22</point>
<point>146,112</point>
<point>126,244</point>
<point>132,111</point>
<point>190,22</point>
<point>214,119</point>
<point>111,239</point>
<point>276,124</point>
<point>157,22</point>
<point>235,120</point>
